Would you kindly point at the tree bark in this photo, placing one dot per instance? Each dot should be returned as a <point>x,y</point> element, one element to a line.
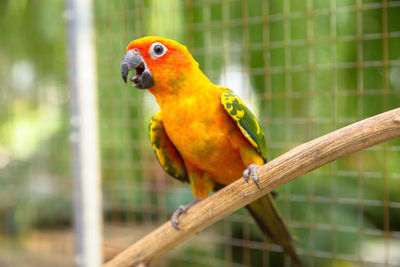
<point>298,161</point>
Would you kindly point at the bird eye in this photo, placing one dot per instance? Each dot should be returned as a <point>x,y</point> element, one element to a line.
<point>157,50</point>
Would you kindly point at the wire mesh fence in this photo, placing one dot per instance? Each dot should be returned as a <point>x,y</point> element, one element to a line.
<point>35,154</point>
<point>304,67</point>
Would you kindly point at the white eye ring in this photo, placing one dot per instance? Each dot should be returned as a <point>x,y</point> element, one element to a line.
<point>157,50</point>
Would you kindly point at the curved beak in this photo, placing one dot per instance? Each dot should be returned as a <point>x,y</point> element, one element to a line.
<point>132,60</point>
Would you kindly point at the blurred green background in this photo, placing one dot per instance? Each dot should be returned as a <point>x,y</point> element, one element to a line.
<point>304,67</point>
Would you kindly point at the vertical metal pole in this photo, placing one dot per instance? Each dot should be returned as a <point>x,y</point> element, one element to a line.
<point>84,121</point>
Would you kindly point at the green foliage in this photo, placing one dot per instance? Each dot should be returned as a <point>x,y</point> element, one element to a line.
<point>307,67</point>
<point>35,171</point>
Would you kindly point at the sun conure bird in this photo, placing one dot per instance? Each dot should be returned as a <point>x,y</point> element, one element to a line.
<point>204,134</point>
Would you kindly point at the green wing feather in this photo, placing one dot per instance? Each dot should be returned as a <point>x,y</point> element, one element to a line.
<point>166,153</point>
<point>263,209</point>
<point>267,217</point>
<point>246,121</point>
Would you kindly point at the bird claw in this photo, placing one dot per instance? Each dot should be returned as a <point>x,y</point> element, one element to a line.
<point>182,209</point>
<point>251,170</point>
<point>175,216</point>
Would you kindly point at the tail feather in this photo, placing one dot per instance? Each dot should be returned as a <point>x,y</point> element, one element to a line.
<point>270,222</point>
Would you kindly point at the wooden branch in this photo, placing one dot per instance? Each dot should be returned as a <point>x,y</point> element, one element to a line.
<point>298,161</point>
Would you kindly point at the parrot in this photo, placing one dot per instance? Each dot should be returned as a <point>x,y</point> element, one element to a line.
<point>204,134</point>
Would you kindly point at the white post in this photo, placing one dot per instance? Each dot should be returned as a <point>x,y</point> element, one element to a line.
<point>84,121</point>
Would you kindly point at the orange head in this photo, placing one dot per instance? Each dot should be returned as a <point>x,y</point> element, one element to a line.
<point>158,62</point>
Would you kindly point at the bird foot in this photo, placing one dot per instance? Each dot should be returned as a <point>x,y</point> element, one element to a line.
<point>251,170</point>
<point>182,209</point>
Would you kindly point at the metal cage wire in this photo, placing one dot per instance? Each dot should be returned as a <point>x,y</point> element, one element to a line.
<point>308,67</point>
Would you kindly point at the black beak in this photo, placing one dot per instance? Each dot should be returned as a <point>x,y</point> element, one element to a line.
<point>133,60</point>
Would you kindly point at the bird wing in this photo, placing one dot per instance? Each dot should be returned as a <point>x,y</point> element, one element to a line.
<point>166,153</point>
<point>263,209</point>
<point>246,121</point>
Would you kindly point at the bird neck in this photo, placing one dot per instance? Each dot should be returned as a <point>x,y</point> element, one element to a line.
<point>184,86</point>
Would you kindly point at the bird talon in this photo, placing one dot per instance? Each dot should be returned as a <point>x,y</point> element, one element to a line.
<point>255,179</point>
<point>175,225</point>
<point>175,217</point>
<point>246,175</point>
<point>252,170</point>
<point>182,209</point>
